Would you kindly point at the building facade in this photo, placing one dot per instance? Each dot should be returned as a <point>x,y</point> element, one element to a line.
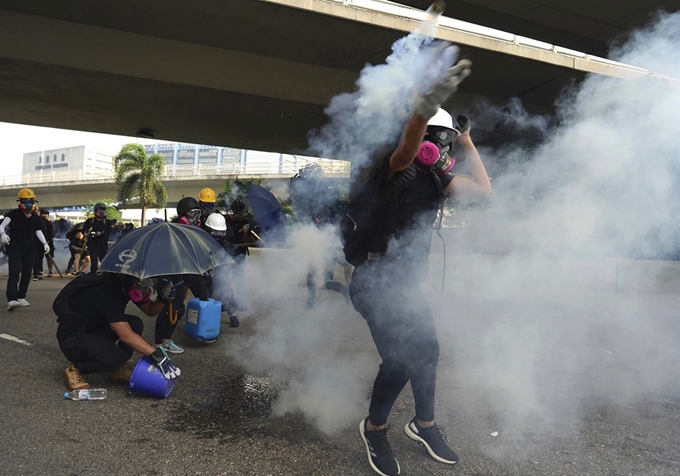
<point>74,158</point>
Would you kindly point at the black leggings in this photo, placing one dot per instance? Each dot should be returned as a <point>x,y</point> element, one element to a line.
<point>94,352</point>
<point>199,286</point>
<point>402,328</point>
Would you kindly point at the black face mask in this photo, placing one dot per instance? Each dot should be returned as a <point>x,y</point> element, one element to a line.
<point>100,213</point>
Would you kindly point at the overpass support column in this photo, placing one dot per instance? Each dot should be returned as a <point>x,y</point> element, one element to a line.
<point>220,155</point>
<point>175,154</point>
<point>244,153</point>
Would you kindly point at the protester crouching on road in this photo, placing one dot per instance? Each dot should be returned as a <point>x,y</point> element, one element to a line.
<point>385,288</point>
<point>96,230</point>
<point>96,335</point>
<point>24,226</point>
<point>80,257</point>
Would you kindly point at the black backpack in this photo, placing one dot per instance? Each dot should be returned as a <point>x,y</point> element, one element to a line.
<point>369,219</point>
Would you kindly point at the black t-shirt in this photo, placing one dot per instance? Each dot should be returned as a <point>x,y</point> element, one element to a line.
<point>235,234</point>
<point>94,308</point>
<point>48,228</point>
<point>97,225</point>
<point>22,228</point>
<point>413,214</point>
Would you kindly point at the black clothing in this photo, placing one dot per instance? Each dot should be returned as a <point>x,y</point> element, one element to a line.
<point>386,292</point>
<point>84,333</point>
<point>235,235</point>
<point>95,307</point>
<point>402,328</point>
<point>22,229</point>
<point>97,245</point>
<point>20,262</point>
<point>93,352</point>
<point>20,252</point>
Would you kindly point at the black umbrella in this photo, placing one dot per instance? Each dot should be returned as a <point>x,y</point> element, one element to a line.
<point>165,249</point>
<point>266,208</point>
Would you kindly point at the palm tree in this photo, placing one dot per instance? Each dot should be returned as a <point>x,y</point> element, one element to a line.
<point>137,177</point>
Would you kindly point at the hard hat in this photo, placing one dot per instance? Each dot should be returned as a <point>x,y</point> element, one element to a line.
<point>441,119</point>
<point>216,222</point>
<point>207,195</point>
<point>25,194</point>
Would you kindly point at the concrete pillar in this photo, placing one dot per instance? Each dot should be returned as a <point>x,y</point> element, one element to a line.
<point>244,159</point>
<point>155,148</point>
<point>175,155</point>
<point>280,163</point>
<point>196,154</point>
<point>220,154</point>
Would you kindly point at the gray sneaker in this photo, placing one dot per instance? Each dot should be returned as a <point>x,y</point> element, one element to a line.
<point>12,305</point>
<point>171,347</point>
<point>23,302</point>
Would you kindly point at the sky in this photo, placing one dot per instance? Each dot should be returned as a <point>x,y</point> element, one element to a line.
<point>19,139</point>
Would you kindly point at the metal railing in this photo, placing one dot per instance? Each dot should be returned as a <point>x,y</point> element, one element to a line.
<point>286,167</point>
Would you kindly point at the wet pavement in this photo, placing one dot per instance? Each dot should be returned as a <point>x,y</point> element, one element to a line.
<point>228,415</point>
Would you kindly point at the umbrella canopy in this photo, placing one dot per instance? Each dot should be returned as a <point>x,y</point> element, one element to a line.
<point>266,207</point>
<point>164,249</point>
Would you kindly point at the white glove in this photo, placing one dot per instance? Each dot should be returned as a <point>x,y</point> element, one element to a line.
<point>427,105</point>
<point>4,238</point>
<point>46,247</point>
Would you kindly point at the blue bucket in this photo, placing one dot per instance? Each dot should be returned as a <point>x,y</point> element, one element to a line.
<point>147,378</point>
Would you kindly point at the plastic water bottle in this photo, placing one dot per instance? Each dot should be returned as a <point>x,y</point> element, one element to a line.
<point>88,394</point>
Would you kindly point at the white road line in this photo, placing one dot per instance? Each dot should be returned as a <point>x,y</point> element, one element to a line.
<point>15,339</point>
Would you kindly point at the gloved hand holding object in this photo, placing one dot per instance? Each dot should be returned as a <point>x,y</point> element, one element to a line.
<point>463,126</point>
<point>5,239</point>
<point>166,290</point>
<point>95,233</point>
<point>427,104</point>
<point>168,369</point>
<point>46,247</point>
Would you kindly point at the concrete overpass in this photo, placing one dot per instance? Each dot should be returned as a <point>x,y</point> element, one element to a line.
<point>60,189</point>
<point>256,74</point>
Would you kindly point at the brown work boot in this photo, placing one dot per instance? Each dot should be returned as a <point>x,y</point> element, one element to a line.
<point>122,375</point>
<point>74,379</point>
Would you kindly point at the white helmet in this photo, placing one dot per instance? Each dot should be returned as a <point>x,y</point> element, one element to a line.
<point>216,222</point>
<point>441,119</point>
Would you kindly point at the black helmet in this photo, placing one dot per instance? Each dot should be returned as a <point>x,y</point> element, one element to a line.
<point>186,204</point>
<point>238,206</point>
<point>100,210</point>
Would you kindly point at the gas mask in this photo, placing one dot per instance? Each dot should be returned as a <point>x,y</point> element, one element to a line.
<point>141,291</point>
<point>100,213</point>
<point>27,205</point>
<point>191,217</point>
<point>434,151</point>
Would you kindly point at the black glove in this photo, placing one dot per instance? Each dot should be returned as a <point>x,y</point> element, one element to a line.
<point>463,123</point>
<point>166,291</point>
<point>168,369</point>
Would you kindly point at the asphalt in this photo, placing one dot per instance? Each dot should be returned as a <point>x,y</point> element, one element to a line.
<point>222,417</point>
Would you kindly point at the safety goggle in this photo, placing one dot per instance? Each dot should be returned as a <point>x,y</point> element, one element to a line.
<point>193,213</point>
<point>208,205</point>
<point>147,285</point>
<point>442,135</point>
<point>218,232</point>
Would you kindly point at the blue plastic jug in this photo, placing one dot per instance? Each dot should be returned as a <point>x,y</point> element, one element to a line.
<point>203,319</point>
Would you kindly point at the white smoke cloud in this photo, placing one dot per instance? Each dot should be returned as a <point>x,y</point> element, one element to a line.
<point>521,340</point>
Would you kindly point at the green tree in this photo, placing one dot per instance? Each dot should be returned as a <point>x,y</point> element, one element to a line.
<point>137,178</point>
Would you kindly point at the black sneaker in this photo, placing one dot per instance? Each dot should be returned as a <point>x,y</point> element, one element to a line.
<point>433,438</point>
<point>233,321</point>
<point>380,455</point>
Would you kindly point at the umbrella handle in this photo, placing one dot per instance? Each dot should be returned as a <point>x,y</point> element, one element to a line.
<point>172,316</point>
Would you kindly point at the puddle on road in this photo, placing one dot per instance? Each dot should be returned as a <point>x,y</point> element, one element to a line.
<point>238,406</point>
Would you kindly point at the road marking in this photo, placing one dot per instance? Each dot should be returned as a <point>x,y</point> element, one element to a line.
<point>15,339</point>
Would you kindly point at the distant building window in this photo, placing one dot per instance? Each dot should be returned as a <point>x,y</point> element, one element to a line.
<point>54,157</point>
<point>40,159</point>
<point>47,159</point>
<point>63,157</point>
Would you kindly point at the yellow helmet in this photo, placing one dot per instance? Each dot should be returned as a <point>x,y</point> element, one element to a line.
<point>25,193</point>
<point>207,195</point>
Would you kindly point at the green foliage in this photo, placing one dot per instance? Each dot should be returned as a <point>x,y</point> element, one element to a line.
<point>136,175</point>
<point>112,213</point>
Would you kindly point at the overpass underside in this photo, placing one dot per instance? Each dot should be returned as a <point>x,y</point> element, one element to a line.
<point>246,74</point>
